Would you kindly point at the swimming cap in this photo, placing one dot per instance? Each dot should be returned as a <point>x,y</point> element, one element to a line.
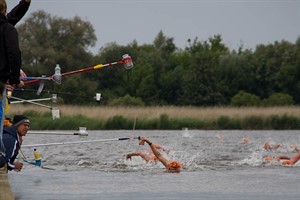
<point>174,166</point>
<point>287,162</point>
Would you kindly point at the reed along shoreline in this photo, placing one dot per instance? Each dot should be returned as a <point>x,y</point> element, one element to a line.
<point>162,117</point>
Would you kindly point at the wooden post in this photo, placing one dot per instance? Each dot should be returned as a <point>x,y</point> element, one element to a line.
<point>5,191</point>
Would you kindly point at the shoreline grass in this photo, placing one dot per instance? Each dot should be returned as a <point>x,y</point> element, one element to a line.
<point>165,117</point>
<point>207,113</point>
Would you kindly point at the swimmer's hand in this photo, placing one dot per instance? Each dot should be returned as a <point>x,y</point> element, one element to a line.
<point>142,139</point>
<point>128,156</point>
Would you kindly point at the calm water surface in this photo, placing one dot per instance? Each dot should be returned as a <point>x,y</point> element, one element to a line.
<point>217,166</point>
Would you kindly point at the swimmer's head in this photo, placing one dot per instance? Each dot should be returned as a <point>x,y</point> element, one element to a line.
<point>287,162</point>
<point>269,158</point>
<point>267,146</point>
<point>174,166</point>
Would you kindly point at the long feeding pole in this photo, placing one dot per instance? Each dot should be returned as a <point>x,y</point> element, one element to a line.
<point>56,133</point>
<point>126,61</point>
<point>55,111</point>
<point>31,101</point>
<point>78,142</point>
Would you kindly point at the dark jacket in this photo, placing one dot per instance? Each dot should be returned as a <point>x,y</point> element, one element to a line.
<point>10,54</point>
<point>12,145</point>
<point>16,14</point>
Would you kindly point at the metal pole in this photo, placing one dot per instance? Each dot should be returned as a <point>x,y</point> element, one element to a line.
<point>28,101</point>
<point>77,142</point>
<point>126,61</point>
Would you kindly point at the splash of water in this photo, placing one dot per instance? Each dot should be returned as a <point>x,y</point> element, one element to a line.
<point>255,159</point>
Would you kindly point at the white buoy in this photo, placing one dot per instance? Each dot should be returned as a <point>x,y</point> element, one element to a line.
<point>186,132</point>
<point>82,132</point>
<point>98,96</point>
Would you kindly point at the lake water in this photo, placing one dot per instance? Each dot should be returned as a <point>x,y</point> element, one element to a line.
<point>217,165</point>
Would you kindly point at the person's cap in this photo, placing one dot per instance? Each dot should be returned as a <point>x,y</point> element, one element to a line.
<point>20,119</point>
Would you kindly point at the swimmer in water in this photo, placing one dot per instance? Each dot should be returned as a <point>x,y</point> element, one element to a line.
<point>285,160</point>
<point>245,140</point>
<point>147,156</point>
<point>267,146</point>
<point>171,166</point>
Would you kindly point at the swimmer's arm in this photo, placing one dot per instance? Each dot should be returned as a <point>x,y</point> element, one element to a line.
<point>129,155</point>
<point>157,146</point>
<point>160,147</point>
<point>295,158</point>
<point>276,146</point>
<point>162,159</point>
<point>141,154</point>
<point>280,156</point>
<point>295,147</point>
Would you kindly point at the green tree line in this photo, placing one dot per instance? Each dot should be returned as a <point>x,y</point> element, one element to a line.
<point>204,73</point>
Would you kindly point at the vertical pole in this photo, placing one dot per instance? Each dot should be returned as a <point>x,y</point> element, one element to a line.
<point>2,114</point>
<point>134,124</point>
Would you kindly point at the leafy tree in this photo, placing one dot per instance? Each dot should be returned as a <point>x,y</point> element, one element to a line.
<point>279,99</point>
<point>288,76</point>
<point>46,41</point>
<point>204,73</point>
<point>237,72</point>
<point>164,43</point>
<point>245,99</point>
<point>269,60</point>
<point>200,81</point>
<point>127,100</point>
<point>147,90</point>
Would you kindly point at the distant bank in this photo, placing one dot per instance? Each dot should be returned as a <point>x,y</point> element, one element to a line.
<point>165,117</point>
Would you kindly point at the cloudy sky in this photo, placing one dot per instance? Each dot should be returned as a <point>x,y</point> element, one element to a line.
<point>247,22</point>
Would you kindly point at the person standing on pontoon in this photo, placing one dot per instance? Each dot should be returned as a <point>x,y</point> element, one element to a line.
<point>10,55</point>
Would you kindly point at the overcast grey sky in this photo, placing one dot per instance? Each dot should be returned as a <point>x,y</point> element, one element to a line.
<point>247,22</point>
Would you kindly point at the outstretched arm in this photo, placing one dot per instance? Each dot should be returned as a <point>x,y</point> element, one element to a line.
<point>159,147</point>
<point>280,156</point>
<point>295,158</point>
<point>16,14</point>
<point>162,159</point>
<point>289,161</point>
<point>295,147</point>
<point>141,154</point>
